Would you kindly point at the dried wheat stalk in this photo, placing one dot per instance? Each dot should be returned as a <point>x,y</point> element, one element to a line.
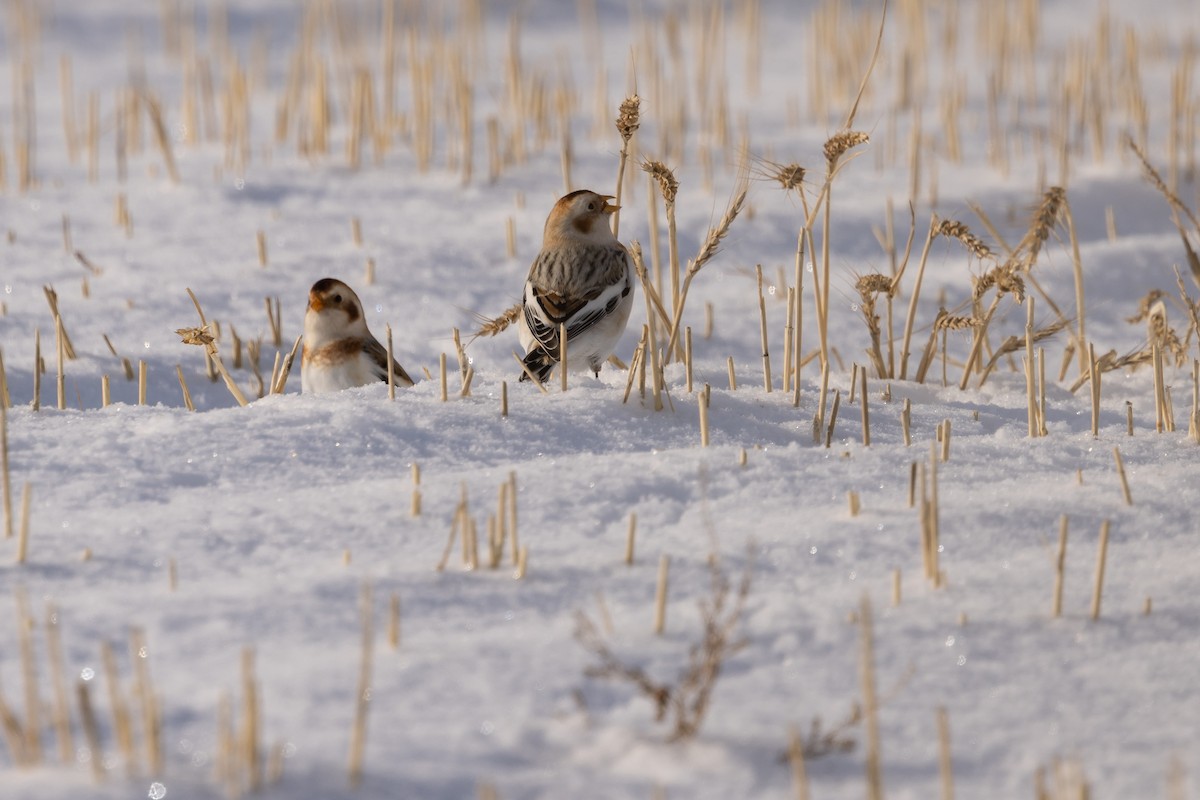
<point>201,336</point>
<point>668,186</point>
<point>868,287</point>
<point>712,243</point>
<point>358,735</point>
<point>627,122</point>
<point>1178,208</point>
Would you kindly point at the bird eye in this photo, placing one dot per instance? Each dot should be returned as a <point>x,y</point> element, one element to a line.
<point>591,206</point>
<point>337,298</point>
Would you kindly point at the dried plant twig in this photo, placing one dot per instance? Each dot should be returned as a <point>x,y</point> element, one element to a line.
<point>686,700</point>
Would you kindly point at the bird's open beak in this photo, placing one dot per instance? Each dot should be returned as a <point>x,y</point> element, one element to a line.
<point>609,207</point>
<point>315,301</point>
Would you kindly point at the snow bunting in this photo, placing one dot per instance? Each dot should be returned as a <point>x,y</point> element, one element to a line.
<point>339,351</point>
<point>583,278</point>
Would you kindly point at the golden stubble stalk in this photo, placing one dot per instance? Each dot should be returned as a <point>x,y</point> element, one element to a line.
<point>201,336</point>
<point>651,346</point>
<point>708,250</point>
<point>668,186</point>
<point>1006,280</point>
<point>627,122</point>
<point>358,736</point>
<point>4,471</point>
<point>835,148</point>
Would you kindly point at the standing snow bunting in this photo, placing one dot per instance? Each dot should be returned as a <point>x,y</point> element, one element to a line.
<point>582,278</point>
<point>339,351</point>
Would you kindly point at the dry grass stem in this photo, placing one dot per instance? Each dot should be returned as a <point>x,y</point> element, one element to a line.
<point>522,564</point>
<point>60,383</point>
<point>187,395</point>
<point>1098,580</point>
<point>668,187</point>
<point>654,306</point>
<point>874,772</point>
<point>91,729</point>
<point>868,287</point>
<point>660,592</point>
<point>148,702</point>
<point>393,629</point>
<point>362,701</point>
<point>201,336</point>
<point>37,369</point>
<point>4,468</point>
<point>795,756</point>
<point>630,537</point>
<point>1178,208</point>
<point>285,368</point>
<point>866,414</point>
<point>122,726</point>
<point>533,378</point>
<point>833,413</point>
<point>709,249</point>
<point>1060,562</point>
<point>5,396</point>
<point>910,318</point>
<point>1011,344</point>
<point>687,357</point>
<point>627,122</point>
<point>52,300</point>
<point>1121,474</point>
<point>762,315</point>
<point>945,763</point>
<point>23,529</point>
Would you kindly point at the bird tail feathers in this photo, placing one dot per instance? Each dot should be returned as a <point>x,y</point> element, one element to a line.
<point>539,363</point>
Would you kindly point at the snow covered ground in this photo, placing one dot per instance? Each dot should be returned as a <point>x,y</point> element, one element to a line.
<point>273,517</point>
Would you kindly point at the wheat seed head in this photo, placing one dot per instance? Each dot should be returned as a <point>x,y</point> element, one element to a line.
<point>837,145</point>
<point>668,184</point>
<point>198,336</point>
<point>629,117</point>
<point>873,284</point>
<point>948,322</point>
<point>952,229</point>
<point>790,177</point>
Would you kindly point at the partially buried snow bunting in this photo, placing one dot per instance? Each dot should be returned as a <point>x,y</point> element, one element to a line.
<point>339,350</point>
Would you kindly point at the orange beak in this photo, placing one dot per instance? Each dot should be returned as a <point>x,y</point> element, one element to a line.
<point>608,207</point>
<point>315,301</point>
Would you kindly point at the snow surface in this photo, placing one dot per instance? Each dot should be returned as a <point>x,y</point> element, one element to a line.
<point>259,507</point>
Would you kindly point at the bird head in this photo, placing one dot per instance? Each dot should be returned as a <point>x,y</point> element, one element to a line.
<point>333,308</point>
<point>582,214</point>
